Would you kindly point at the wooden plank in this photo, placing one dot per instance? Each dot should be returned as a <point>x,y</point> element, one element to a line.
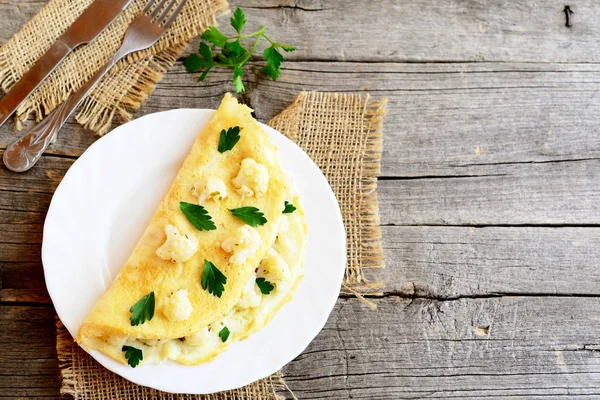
<point>460,119</point>
<point>436,262</point>
<point>450,262</point>
<point>28,364</point>
<point>528,194</point>
<point>419,30</point>
<point>534,347</point>
<point>429,30</point>
<point>22,283</point>
<point>499,348</point>
<point>443,119</point>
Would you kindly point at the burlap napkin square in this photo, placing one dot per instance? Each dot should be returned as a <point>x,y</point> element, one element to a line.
<point>125,86</point>
<point>342,134</point>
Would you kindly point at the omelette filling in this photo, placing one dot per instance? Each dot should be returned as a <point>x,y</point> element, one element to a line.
<point>282,266</point>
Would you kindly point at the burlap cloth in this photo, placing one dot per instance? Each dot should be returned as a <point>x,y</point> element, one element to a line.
<point>126,85</point>
<point>342,134</point>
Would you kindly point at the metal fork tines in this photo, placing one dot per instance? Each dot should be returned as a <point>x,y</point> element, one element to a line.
<point>143,32</point>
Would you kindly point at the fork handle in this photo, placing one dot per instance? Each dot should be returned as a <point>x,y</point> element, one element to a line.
<point>23,153</point>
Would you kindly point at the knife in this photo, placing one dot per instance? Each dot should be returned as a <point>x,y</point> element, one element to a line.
<point>85,29</point>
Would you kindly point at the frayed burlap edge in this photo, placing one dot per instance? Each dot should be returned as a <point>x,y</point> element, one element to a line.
<point>109,386</point>
<point>370,253</point>
<point>96,116</point>
<point>98,111</point>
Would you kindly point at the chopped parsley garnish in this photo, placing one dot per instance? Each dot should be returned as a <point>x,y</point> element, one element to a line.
<point>229,138</point>
<point>142,310</point>
<point>133,355</point>
<point>289,207</point>
<point>250,215</point>
<point>198,216</point>
<point>264,285</point>
<point>213,280</point>
<point>224,334</point>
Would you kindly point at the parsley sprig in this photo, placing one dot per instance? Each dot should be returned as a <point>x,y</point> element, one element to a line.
<point>198,216</point>
<point>133,356</point>
<point>264,285</point>
<point>228,139</point>
<point>288,207</point>
<point>213,280</point>
<point>142,310</point>
<point>250,215</point>
<point>224,334</point>
<point>233,54</point>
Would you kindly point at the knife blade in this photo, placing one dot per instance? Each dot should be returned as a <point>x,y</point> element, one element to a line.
<point>86,28</point>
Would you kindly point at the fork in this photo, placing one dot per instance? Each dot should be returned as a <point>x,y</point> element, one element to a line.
<point>144,31</point>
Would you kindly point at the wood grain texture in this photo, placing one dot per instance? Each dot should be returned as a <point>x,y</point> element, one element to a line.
<point>415,31</point>
<point>489,198</point>
<point>443,119</point>
<point>28,364</point>
<point>437,262</point>
<point>499,348</point>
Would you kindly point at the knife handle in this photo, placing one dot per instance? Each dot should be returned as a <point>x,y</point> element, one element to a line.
<point>32,78</point>
<point>23,153</point>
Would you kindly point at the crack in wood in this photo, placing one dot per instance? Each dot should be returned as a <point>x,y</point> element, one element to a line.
<point>493,295</point>
<point>525,162</point>
<point>424,177</point>
<point>467,225</point>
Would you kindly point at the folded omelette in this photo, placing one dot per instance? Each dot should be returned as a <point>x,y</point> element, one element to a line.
<point>221,254</point>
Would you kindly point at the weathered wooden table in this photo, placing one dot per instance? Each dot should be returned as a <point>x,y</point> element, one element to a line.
<point>490,199</point>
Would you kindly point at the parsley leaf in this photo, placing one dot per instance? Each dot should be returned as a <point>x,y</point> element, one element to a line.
<point>193,63</point>
<point>142,310</point>
<point>133,355</point>
<point>270,72</point>
<point>237,80</point>
<point>224,334</point>
<point>198,216</point>
<point>213,35</point>
<point>213,280</point>
<point>234,50</point>
<point>250,215</point>
<point>289,207</point>
<point>233,54</point>
<point>273,57</point>
<point>229,138</point>
<point>238,20</point>
<point>264,285</point>
<point>287,48</point>
<point>199,62</point>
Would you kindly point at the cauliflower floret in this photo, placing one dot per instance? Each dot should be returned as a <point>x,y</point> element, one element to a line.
<point>253,179</point>
<point>177,247</point>
<point>177,307</point>
<point>204,337</point>
<point>243,244</point>
<point>274,268</point>
<point>251,295</point>
<point>212,188</point>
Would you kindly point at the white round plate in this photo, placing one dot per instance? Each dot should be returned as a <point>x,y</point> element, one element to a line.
<point>101,208</point>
